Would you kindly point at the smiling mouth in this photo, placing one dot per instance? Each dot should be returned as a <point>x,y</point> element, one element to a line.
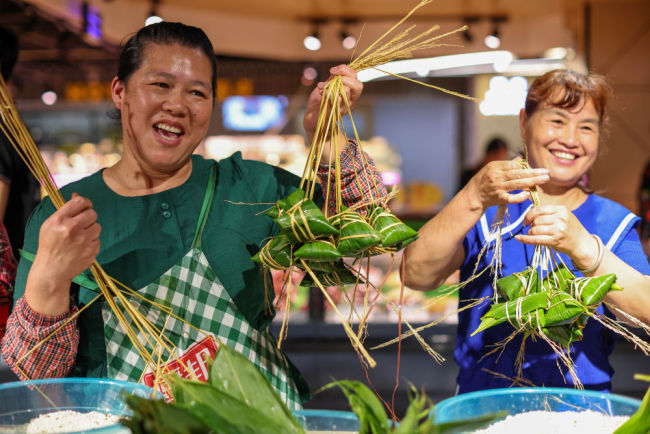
<point>564,155</point>
<point>169,131</point>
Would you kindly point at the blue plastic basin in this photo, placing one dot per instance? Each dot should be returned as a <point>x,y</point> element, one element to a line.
<point>327,420</point>
<point>520,400</point>
<point>23,401</point>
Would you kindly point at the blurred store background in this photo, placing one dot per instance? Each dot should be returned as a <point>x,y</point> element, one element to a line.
<point>421,139</point>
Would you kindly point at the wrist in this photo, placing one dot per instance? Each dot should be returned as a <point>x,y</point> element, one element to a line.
<point>46,292</point>
<point>470,199</point>
<point>588,260</point>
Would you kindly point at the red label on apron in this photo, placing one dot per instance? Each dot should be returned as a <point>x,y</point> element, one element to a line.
<point>194,358</point>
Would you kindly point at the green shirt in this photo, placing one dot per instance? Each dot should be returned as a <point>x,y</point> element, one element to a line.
<point>142,237</point>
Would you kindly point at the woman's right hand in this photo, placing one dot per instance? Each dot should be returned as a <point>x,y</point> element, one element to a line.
<point>493,184</point>
<point>68,244</point>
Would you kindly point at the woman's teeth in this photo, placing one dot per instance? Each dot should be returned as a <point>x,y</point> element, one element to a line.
<point>169,128</point>
<point>564,155</point>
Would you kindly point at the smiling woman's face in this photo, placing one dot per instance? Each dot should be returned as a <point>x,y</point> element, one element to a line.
<point>565,141</point>
<point>166,106</point>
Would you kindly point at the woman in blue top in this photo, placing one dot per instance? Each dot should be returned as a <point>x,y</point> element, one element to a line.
<point>561,125</point>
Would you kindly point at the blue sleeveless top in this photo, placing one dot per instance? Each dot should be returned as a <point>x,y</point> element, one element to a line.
<point>615,225</point>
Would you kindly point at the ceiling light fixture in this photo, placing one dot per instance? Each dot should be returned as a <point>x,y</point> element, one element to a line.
<point>312,42</point>
<point>348,41</point>
<point>493,40</point>
<point>153,15</point>
<point>467,35</point>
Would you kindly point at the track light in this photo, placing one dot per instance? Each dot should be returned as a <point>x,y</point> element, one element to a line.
<point>348,41</point>
<point>312,42</point>
<point>467,35</point>
<point>153,15</point>
<point>493,40</point>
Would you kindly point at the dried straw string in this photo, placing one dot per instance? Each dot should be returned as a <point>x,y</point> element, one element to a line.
<point>13,128</point>
<point>329,124</point>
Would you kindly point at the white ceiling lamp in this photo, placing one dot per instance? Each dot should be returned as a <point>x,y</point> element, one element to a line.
<point>493,40</point>
<point>312,41</point>
<point>153,17</point>
<point>348,42</point>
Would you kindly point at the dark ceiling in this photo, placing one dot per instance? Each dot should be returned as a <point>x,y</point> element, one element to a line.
<point>52,52</point>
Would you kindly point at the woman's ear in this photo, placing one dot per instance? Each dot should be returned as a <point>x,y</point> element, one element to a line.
<point>523,121</point>
<point>117,92</point>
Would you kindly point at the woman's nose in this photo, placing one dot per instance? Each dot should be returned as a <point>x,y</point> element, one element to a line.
<point>569,136</point>
<point>174,104</point>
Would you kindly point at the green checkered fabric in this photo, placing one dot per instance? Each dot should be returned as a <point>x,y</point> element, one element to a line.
<point>193,292</point>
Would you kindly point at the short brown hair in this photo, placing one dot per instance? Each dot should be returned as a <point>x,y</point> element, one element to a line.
<point>567,89</point>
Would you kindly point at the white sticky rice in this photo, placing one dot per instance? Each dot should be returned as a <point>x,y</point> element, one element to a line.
<point>564,422</point>
<point>70,421</point>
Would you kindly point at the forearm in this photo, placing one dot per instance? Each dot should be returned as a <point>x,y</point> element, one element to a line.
<point>439,251</point>
<point>58,337</point>
<point>635,297</point>
<point>45,293</point>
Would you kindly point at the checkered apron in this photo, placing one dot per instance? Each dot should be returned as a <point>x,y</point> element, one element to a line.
<point>193,292</point>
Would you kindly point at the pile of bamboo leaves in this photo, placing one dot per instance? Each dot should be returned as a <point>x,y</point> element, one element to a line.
<point>239,399</point>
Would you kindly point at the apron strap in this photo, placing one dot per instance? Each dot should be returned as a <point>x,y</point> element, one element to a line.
<point>205,207</point>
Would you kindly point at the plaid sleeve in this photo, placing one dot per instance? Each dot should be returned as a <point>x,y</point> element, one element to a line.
<point>360,180</point>
<point>7,278</point>
<point>26,328</point>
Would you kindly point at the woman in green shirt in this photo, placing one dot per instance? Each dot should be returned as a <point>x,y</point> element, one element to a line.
<point>165,222</point>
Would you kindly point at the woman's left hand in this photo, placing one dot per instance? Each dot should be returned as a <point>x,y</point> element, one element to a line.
<point>353,88</point>
<point>557,227</point>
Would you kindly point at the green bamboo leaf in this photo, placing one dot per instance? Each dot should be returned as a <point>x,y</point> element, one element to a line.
<point>416,419</point>
<point>319,267</point>
<point>159,417</point>
<point>639,422</point>
<point>356,235</point>
<point>225,413</point>
<point>391,230</point>
<point>563,334</point>
<point>564,310</point>
<point>233,374</point>
<point>276,253</point>
<point>512,287</point>
<point>339,275</point>
<point>500,312</point>
<point>562,277</point>
<point>303,220</point>
<point>365,404</point>
<point>319,250</point>
<point>595,289</point>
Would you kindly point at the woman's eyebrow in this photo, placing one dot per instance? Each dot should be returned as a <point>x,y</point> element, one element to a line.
<point>168,76</point>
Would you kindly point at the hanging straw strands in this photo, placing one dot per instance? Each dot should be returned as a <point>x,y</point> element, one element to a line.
<point>149,340</point>
<point>366,229</point>
<point>547,301</point>
<point>544,301</point>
